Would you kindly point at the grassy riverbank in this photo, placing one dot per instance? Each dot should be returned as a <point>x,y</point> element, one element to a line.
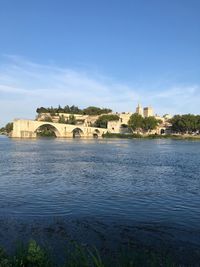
<point>151,136</point>
<point>33,255</point>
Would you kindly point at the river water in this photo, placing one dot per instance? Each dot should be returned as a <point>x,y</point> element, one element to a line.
<point>101,191</point>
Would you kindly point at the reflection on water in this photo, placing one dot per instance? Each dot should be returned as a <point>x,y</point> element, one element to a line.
<point>141,189</point>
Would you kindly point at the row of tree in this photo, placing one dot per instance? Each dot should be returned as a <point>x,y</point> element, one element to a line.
<point>187,123</point>
<point>74,110</point>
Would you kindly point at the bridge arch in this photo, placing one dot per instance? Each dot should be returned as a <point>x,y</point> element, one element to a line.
<point>49,128</point>
<point>77,132</point>
<point>30,128</point>
<point>162,131</point>
<point>96,133</point>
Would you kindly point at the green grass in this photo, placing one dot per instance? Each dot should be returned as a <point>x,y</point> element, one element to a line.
<point>33,255</point>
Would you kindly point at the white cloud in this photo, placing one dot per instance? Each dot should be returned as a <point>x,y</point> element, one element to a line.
<point>25,85</point>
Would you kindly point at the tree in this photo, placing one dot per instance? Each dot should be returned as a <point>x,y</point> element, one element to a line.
<point>66,109</point>
<point>9,127</point>
<point>52,111</point>
<point>96,111</point>
<point>186,123</point>
<point>71,120</point>
<point>135,122</point>
<point>74,110</point>
<point>47,118</point>
<point>2,130</point>
<point>102,121</point>
<point>150,123</point>
<point>41,110</point>
<point>61,119</point>
<point>198,123</point>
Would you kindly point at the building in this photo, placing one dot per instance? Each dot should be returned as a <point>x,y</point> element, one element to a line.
<point>80,119</point>
<point>114,126</point>
<point>148,112</point>
<point>139,110</point>
<point>167,116</point>
<point>124,117</point>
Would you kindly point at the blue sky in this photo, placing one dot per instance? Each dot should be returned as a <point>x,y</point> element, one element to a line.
<point>110,53</point>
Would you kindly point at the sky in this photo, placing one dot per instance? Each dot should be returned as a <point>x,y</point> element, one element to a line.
<point>107,53</point>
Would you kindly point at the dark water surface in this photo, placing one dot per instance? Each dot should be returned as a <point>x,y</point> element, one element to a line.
<point>102,192</point>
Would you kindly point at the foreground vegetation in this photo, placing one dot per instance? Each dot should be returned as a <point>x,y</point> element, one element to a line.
<point>182,124</point>
<point>102,121</point>
<point>123,136</point>
<point>33,255</point>
<point>139,124</point>
<point>187,123</point>
<point>151,136</point>
<point>7,129</point>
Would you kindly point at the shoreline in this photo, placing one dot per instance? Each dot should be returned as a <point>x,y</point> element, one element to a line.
<point>151,136</point>
<point>124,136</point>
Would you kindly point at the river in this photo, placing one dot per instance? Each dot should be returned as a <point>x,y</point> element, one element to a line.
<point>101,191</point>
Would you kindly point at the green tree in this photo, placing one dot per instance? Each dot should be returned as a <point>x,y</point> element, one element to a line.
<point>71,120</point>
<point>95,111</point>
<point>74,110</point>
<point>61,119</point>
<point>52,111</point>
<point>102,121</point>
<point>135,122</point>
<point>150,123</point>
<point>9,127</point>
<point>47,118</point>
<point>41,110</point>
<point>187,123</point>
<point>66,109</point>
<point>2,130</point>
<point>198,123</point>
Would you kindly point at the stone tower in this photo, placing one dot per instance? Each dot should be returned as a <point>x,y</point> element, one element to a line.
<point>139,110</point>
<point>148,112</point>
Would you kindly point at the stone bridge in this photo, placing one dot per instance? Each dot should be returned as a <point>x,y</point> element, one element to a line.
<point>29,128</point>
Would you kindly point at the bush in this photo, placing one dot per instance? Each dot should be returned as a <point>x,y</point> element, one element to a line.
<point>78,256</point>
<point>119,135</point>
<point>103,120</point>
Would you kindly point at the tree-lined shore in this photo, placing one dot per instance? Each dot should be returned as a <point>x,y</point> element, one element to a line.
<point>152,136</point>
<point>183,125</point>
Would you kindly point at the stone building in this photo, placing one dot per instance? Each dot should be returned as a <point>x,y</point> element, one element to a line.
<point>148,112</point>
<point>124,117</point>
<point>114,126</point>
<point>139,110</point>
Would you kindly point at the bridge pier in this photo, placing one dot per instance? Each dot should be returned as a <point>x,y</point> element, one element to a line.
<point>27,134</point>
